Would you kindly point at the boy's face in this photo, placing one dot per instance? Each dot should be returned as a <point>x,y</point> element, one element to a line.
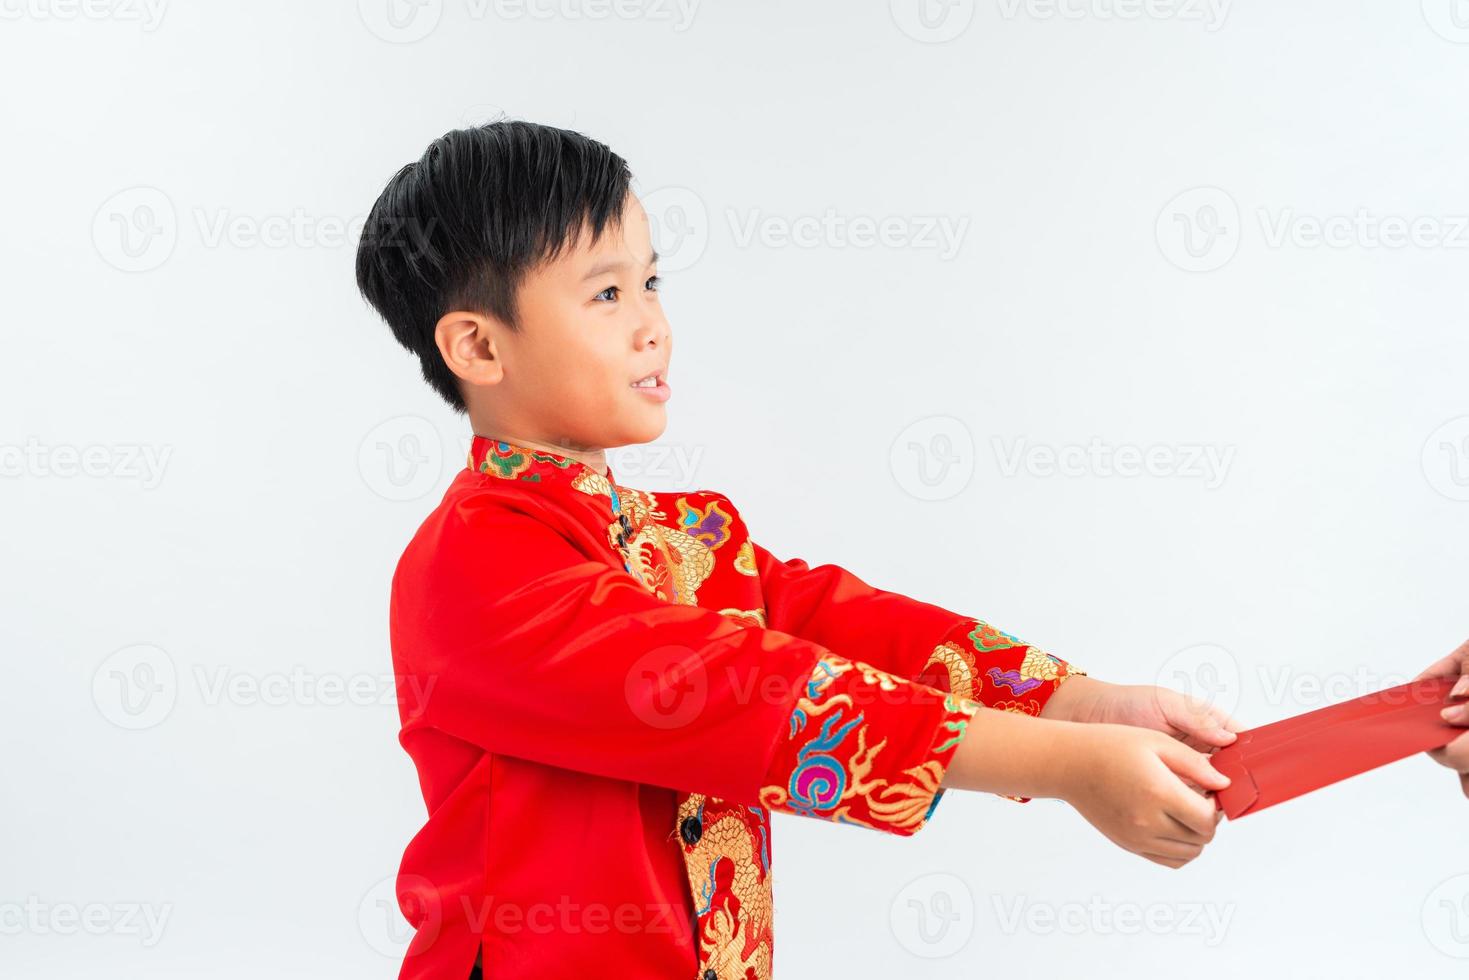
<point>591,326</point>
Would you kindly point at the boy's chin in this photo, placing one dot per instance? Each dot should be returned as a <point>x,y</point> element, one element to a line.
<point>647,429</point>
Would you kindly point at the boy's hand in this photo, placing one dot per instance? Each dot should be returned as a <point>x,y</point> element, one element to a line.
<point>1196,723</point>
<point>1138,788</point>
<point>1455,755</point>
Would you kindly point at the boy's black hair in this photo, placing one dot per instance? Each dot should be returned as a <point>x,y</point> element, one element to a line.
<point>459,228</point>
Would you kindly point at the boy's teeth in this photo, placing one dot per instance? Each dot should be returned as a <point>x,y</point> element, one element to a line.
<point>648,382</point>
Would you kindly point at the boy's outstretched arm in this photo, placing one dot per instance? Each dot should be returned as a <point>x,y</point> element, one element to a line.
<point>506,637</point>
<point>911,638</point>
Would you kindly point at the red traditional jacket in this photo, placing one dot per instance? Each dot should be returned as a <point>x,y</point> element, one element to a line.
<point>607,692</point>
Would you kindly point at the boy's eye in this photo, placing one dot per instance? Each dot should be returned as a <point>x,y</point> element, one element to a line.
<point>610,293</point>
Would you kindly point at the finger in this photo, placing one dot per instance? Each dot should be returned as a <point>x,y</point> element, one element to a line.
<point>1198,721</point>
<point>1195,813</point>
<point>1205,746</point>
<point>1169,848</point>
<point>1456,714</point>
<point>1212,736</point>
<point>1464,783</point>
<point>1224,720</point>
<point>1186,834</point>
<point>1195,766</point>
<point>1455,755</point>
<point>1166,861</point>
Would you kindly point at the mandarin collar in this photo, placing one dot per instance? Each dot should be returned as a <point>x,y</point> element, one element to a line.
<point>510,461</point>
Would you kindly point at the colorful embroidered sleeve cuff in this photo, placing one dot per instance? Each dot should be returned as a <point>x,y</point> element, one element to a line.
<point>865,747</point>
<point>998,670</point>
<point>975,660</point>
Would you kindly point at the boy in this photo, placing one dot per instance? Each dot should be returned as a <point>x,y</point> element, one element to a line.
<point>624,685</point>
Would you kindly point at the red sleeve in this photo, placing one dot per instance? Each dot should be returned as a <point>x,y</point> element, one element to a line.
<point>508,637</point>
<point>907,637</point>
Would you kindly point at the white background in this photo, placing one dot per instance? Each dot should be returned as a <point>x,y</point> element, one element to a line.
<point>182,185</point>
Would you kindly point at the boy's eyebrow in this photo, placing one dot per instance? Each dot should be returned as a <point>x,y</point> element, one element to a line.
<point>602,268</point>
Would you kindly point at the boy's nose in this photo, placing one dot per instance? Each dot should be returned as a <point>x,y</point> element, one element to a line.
<point>655,333</point>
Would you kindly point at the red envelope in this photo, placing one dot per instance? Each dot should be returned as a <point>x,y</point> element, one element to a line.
<point>1289,758</point>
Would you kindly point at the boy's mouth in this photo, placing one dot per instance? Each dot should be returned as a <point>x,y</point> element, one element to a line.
<point>654,386</point>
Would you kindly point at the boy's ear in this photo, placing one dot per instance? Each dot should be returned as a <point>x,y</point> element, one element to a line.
<point>468,344</point>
